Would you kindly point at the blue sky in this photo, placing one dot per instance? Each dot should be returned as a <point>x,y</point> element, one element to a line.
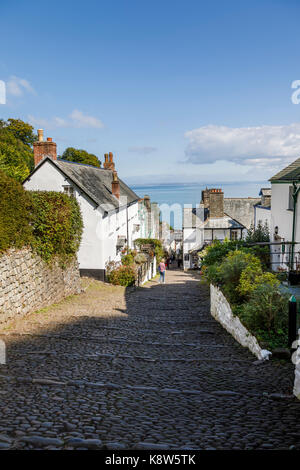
<point>179,91</point>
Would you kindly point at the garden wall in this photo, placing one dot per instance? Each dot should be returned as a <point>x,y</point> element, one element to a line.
<point>27,283</point>
<point>146,271</point>
<point>221,311</point>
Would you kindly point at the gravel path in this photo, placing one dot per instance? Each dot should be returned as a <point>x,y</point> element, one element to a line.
<point>148,368</point>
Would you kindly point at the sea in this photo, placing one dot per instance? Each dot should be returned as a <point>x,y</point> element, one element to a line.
<point>178,195</point>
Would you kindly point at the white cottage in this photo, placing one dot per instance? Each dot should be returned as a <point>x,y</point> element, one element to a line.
<point>262,209</point>
<point>208,222</point>
<point>285,217</point>
<point>109,207</point>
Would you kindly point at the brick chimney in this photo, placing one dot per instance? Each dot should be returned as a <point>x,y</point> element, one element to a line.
<point>147,202</point>
<point>115,185</point>
<point>205,198</point>
<point>216,203</point>
<point>42,149</point>
<point>109,161</point>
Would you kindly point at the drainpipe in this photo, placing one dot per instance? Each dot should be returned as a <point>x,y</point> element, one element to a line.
<point>295,197</point>
<point>127,227</point>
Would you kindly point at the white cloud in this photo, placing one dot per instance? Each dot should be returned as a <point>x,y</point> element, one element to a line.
<point>261,146</point>
<point>16,86</point>
<point>83,120</point>
<point>142,150</point>
<point>77,119</point>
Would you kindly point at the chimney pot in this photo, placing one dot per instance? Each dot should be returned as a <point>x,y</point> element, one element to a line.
<point>40,135</point>
<point>115,185</point>
<point>49,139</point>
<point>109,163</point>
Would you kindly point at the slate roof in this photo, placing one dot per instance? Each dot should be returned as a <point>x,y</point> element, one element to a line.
<point>225,222</point>
<point>265,192</point>
<point>288,174</point>
<point>190,216</point>
<point>94,182</point>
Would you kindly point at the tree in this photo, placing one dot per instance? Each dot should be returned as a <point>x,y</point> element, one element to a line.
<point>80,156</point>
<point>259,234</point>
<point>21,130</point>
<point>16,158</point>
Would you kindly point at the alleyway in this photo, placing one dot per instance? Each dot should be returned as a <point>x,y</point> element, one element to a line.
<point>141,368</point>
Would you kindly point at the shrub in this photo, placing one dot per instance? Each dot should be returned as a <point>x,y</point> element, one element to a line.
<point>251,278</point>
<point>121,275</point>
<point>154,246</point>
<point>266,315</point>
<point>128,259</point>
<point>231,270</point>
<point>216,252</point>
<point>15,214</point>
<point>57,224</point>
<point>140,258</point>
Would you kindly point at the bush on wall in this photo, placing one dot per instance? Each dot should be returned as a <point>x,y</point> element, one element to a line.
<point>57,224</point>
<point>155,247</point>
<point>15,214</point>
<point>49,222</point>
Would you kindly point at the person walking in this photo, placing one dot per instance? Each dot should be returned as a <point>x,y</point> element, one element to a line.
<point>162,271</point>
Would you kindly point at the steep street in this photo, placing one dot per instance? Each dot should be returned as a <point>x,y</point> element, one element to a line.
<point>140,368</point>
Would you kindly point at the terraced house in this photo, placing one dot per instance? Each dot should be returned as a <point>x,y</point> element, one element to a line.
<point>110,209</point>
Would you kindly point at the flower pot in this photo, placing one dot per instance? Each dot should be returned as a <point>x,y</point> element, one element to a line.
<point>294,278</point>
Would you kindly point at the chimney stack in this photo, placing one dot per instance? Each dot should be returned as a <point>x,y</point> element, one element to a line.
<point>42,149</point>
<point>115,185</point>
<point>205,198</point>
<point>109,161</point>
<point>216,203</point>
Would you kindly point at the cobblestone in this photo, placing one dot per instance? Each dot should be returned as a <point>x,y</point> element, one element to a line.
<point>133,368</point>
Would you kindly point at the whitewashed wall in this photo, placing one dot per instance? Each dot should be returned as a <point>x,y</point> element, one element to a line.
<point>263,216</point>
<point>282,217</point>
<point>100,234</point>
<point>221,311</point>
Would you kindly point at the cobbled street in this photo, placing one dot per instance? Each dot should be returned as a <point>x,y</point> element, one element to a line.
<point>140,368</point>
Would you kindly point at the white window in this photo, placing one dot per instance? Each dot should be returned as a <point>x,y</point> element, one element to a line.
<point>234,235</point>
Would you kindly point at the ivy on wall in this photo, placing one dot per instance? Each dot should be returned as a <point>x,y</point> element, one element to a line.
<point>48,221</point>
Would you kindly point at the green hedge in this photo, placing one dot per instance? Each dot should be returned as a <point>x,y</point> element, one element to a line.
<point>49,222</point>
<point>57,224</point>
<point>15,214</point>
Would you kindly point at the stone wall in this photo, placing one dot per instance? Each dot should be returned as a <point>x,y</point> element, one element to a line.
<point>221,311</point>
<point>241,209</point>
<point>27,283</point>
